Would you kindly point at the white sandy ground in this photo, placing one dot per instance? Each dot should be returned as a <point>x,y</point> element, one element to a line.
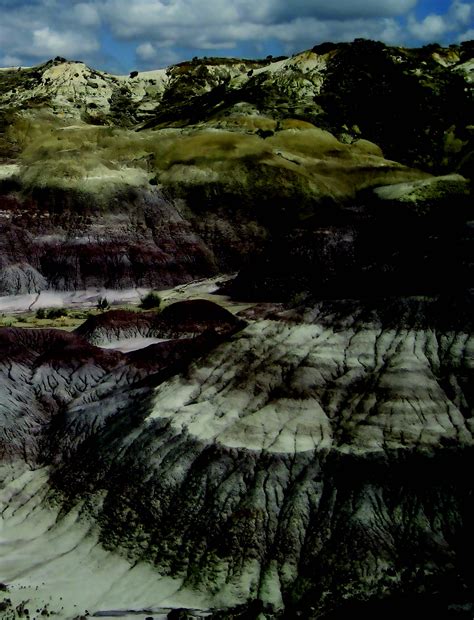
<point>75,300</point>
<point>127,345</point>
<point>47,560</point>
<point>201,289</point>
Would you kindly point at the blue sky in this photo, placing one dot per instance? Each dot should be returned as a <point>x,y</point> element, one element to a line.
<point>121,35</point>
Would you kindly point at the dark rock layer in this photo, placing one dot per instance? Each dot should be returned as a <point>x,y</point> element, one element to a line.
<point>70,242</point>
<point>182,319</point>
<point>381,245</point>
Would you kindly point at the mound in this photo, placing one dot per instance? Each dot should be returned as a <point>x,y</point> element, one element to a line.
<point>179,320</point>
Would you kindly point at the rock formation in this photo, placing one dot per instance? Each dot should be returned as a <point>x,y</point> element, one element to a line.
<point>313,462</point>
<point>305,458</point>
<point>174,175</point>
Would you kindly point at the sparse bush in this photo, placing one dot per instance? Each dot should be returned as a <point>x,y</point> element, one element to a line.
<point>56,313</point>
<point>102,304</point>
<point>264,133</point>
<point>151,300</point>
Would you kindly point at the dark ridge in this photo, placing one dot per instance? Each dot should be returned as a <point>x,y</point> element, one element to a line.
<point>200,312</point>
<point>53,347</point>
<point>362,87</point>
<point>176,320</point>
<point>116,319</point>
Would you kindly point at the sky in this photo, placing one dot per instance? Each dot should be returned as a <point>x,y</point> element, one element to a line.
<point>124,35</point>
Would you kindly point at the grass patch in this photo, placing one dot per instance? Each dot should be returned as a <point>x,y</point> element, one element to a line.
<point>57,318</point>
<point>99,159</point>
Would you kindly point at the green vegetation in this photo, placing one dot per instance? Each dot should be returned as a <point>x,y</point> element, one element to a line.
<point>59,318</point>
<point>363,86</point>
<point>102,304</point>
<point>87,157</point>
<point>56,313</point>
<point>151,301</point>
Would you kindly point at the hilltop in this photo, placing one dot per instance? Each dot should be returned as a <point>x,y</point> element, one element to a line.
<point>328,86</point>
<point>157,178</point>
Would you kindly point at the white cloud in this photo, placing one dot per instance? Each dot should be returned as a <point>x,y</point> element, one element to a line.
<point>429,29</point>
<point>40,29</point>
<point>435,27</point>
<point>219,24</point>
<point>466,36</point>
<point>156,55</point>
<point>146,51</point>
<point>47,42</point>
<point>461,13</point>
<point>154,17</point>
<point>169,30</point>
<point>131,19</point>
<point>86,14</point>
<point>10,61</point>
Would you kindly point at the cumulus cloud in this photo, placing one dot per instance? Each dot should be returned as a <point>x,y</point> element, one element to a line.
<point>132,19</point>
<point>163,31</point>
<point>466,36</point>
<point>435,27</point>
<point>86,14</point>
<point>429,28</point>
<point>47,42</point>
<point>38,30</point>
<point>218,24</point>
<point>461,13</point>
<point>10,61</point>
<point>146,51</point>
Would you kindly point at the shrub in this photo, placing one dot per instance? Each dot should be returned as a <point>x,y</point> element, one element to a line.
<point>41,313</point>
<point>264,133</point>
<point>151,300</point>
<point>103,304</point>
<point>56,313</point>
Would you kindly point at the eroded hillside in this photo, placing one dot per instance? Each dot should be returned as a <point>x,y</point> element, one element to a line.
<point>299,451</point>
<point>162,177</point>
